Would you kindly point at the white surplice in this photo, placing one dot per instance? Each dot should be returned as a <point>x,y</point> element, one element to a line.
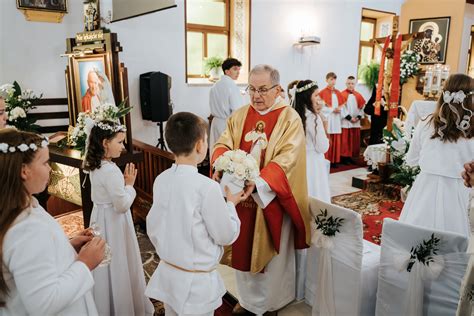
<point>41,270</point>
<point>120,286</point>
<point>352,109</point>
<point>438,198</point>
<point>188,224</point>
<point>224,98</point>
<point>333,118</point>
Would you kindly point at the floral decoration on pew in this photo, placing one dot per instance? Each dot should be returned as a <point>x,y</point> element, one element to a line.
<point>424,252</point>
<point>18,103</point>
<point>328,226</point>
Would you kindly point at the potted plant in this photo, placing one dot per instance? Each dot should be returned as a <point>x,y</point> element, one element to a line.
<point>369,74</point>
<point>212,67</point>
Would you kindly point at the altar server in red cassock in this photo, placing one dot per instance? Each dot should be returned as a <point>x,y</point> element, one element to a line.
<point>334,102</point>
<point>352,112</point>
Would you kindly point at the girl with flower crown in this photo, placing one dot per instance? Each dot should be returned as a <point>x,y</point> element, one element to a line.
<point>42,272</point>
<point>120,286</point>
<point>306,101</point>
<point>441,144</point>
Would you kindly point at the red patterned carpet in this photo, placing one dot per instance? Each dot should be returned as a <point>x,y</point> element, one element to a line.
<point>374,207</point>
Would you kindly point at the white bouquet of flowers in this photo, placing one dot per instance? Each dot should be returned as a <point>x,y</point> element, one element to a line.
<point>409,66</point>
<point>237,167</point>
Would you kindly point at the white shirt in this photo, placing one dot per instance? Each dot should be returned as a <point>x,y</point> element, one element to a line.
<point>188,224</point>
<point>334,119</point>
<point>351,108</point>
<point>437,157</point>
<point>41,269</point>
<point>225,97</point>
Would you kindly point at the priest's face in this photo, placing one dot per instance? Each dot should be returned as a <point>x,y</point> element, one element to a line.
<point>263,92</point>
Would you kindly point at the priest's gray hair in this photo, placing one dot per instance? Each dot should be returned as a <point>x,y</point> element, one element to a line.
<point>274,74</point>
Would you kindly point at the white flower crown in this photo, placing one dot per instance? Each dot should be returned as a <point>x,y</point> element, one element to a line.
<point>6,148</point>
<point>114,128</point>
<point>307,86</point>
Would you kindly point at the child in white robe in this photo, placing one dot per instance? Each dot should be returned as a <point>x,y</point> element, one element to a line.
<point>307,103</point>
<point>42,271</point>
<point>120,286</point>
<point>188,224</point>
<point>441,144</point>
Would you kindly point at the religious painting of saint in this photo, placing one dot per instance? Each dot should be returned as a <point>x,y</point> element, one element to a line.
<point>92,83</point>
<point>434,44</point>
<point>259,141</point>
<point>43,5</point>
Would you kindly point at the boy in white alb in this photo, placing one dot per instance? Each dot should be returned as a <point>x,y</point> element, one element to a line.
<point>334,102</point>
<point>352,112</point>
<point>188,224</point>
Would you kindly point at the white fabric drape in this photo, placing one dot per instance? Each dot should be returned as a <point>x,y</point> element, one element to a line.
<point>432,290</point>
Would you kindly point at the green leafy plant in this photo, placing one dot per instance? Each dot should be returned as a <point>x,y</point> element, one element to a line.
<point>211,63</point>
<point>18,104</point>
<point>424,252</point>
<point>329,226</point>
<point>369,74</point>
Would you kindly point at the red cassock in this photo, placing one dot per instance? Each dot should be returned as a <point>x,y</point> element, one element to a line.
<point>334,152</point>
<point>350,137</point>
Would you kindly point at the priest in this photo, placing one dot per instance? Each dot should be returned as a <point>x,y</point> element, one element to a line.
<point>275,218</point>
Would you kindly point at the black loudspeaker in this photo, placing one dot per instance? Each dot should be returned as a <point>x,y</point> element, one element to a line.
<point>155,96</point>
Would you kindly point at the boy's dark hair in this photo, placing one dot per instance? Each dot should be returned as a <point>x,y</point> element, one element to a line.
<point>331,75</point>
<point>183,131</point>
<point>351,78</point>
<point>229,63</point>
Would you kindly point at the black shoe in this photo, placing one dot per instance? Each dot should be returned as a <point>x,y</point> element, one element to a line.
<point>345,160</point>
<point>334,165</point>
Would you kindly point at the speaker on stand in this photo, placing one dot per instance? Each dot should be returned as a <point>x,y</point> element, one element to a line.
<point>155,100</point>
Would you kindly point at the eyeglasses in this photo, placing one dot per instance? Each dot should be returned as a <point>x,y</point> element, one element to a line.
<point>262,91</point>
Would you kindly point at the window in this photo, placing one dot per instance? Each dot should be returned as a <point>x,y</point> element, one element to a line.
<point>374,24</point>
<point>367,33</point>
<point>211,30</point>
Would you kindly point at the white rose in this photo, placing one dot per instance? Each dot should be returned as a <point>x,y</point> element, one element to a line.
<point>222,163</point>
<point>239,156</point>
<point>23,147</point>
<point>33,146</point>
<point>239,172</point>
<point>16,113</point>
<point>4,148</point>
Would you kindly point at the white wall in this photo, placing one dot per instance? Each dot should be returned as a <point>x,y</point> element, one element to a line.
<point>155,42</point>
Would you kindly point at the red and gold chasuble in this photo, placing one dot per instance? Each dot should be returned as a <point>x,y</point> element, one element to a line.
<point>260,230</point>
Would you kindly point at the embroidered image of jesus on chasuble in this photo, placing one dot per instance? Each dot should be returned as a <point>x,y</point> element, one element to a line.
<point>283,167</point>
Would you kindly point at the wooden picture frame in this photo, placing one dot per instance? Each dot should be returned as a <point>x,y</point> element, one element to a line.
<point>82,68</point>
<point>58,6</point>
<point>433,46</point>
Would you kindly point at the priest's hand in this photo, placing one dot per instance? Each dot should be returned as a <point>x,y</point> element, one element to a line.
<point>235,198</point>
<point>217,176</point>
<point>81,238</point>
<point>337,110</point>
<point>468,174</point>
<point>354,120</point>
<point>92,253</point>
<point>250,187</point>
